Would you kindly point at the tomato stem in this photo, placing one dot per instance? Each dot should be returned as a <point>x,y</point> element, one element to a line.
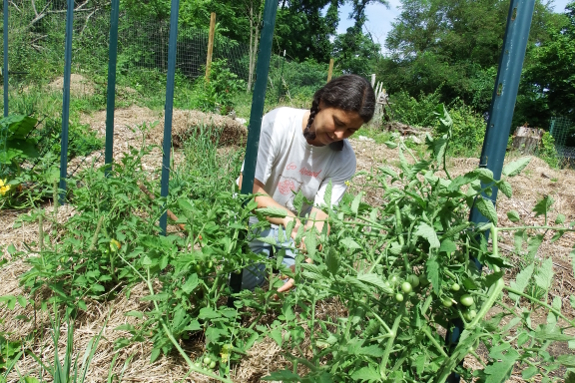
<point>391,340</point>
<point>494,290</point>
<point>537,301</point>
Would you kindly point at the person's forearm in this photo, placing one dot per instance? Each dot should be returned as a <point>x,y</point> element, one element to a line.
<point>318,219</point>
<point>263,199</point>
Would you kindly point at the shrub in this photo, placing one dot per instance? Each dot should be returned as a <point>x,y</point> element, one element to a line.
<point>547,151</point>
<point>412,111</point>
<point>468,129</point>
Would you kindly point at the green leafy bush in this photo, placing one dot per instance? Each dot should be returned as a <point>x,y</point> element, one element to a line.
<point>415,112</point>
<point>217,95</point>
<point>547,150</point>
<point>468,130</point>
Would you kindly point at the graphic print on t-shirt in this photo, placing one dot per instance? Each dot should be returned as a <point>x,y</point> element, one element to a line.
<point>289,187</point>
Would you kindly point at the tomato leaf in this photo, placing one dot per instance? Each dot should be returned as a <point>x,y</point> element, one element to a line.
<point>505,188</point>
<point>566,360</point>
<point>551,317</point>
<point>485,207</point>
<point>513,216</point>
<point>355,203</point>
<point>560,219</point>
<point>427,232</point>
<point>274,212</point>
<point>191,283</point>
<point>366,373</point>
<point>529,372</point>
<point>500,371</point>
<point>521,281</point>
<point>350,243</point>
<point>208,313</point>
<point>432,267</point>
<point>533,245</point>
<point>332,261</point>
<point>155,354</point>
<point>276,335</point>
<point>514,168</point>
<point>544,275</point>
<point>375,280</point>
<point>542,207</point>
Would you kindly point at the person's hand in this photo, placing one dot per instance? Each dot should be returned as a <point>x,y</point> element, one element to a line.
<point>291,282</point>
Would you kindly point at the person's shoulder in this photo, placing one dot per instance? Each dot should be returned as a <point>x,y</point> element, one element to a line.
<point>285,113</point>
<point>347,150</point>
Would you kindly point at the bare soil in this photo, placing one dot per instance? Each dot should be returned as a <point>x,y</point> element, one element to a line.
<point>135,127</point>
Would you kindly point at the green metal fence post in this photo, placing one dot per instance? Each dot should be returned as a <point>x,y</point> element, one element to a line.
<point>111,97</point>
<point>258,100</point>
<point>169,108</point>
<point>5,69</point>
<point>262,70</point>
<point>505,92</point>
<point>66,100</point>
<point>500,116</point>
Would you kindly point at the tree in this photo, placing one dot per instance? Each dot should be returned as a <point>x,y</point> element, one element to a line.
<point>355,52</point>
<point>453,45</point>
<point>553,78</point>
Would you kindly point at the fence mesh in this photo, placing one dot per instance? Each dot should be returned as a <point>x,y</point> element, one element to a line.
<point>563,131</point>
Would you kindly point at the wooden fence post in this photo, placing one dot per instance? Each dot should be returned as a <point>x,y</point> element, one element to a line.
<point>210,45</point>
<point>330,72</point>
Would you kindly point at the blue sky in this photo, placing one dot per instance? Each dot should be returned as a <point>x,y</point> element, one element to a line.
<point>380,18</point>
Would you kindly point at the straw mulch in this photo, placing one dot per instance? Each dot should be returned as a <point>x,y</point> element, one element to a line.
<point>79,85</point>
<point>187,123</point>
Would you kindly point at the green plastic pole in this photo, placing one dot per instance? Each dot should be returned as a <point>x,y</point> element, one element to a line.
<point>5,69</point>
<point>262,70</point>
<point>169,107</point>
<point>500,117</point>
<point>111,97</point>
<point>505,93</point>
<point>66,100</point>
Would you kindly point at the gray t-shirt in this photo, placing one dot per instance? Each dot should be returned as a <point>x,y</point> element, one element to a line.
<point>287,164</point>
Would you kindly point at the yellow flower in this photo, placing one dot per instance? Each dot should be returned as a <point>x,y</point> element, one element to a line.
<point>347,183</point>
<point>4,188</point>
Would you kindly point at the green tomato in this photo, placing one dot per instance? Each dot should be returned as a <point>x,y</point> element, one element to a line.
<point>469,315</point>
<point>406,287</point>
<point>446,302</point>
<point>207,360</point>
<point>466,300</point>
<point>455,287</point>
<point>413,279</point>
<point>198,364</point>
<point>213,364</point>
<point>393,280</point>
<point>423,281</point>
<point>399,297</point>
<point>210,264</point>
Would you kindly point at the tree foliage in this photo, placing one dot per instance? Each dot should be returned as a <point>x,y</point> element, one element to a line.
<point>453,45</point>
<point>553,78</point>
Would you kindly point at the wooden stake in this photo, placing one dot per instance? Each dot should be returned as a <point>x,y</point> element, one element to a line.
<point>210,45</point>
<point>330,72</point>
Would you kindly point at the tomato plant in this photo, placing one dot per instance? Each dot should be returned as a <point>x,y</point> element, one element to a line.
<point>420,228</point>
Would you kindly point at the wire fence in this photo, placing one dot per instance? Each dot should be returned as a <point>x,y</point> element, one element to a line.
<point>563,131</point>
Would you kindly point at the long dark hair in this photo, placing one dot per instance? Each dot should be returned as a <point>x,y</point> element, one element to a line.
<point>349,92</point>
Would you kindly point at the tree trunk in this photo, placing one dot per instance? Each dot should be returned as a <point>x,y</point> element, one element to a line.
<point>254,40</point>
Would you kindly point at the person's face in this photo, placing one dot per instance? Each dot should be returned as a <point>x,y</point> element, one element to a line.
<point>331,125</point>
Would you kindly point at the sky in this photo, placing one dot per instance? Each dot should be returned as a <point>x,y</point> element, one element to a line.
<point>380,18</point>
